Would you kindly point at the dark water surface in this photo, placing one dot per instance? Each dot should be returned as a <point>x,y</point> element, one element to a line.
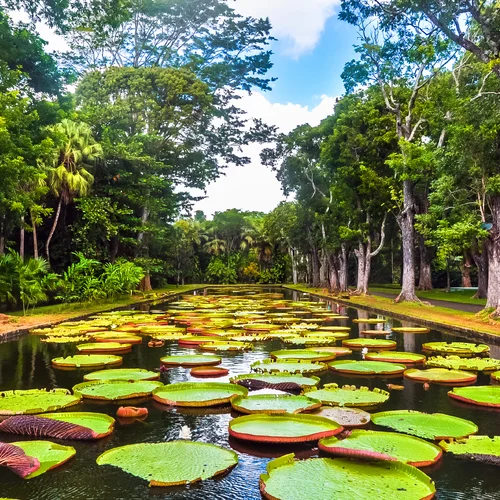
<point>26,363</point>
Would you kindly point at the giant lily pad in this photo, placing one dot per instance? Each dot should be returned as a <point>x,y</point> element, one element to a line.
<point>316,340</point>
<point>129,374</point>
<point>302,354</point>
<point>63,340</point>
<point>468,364</point>
<point>476,448</point>
<point>366,367</point>
<point>349,395</point>
<point>274,404</point>
<point>482,395</point>
<point>117,337</point>
<point>441,376</point>
<point>405,358</point>
<point>305,367</point>
<point>495,376</point>
<point>232,346</point>
<point>343,479</point>
<point>334,329</point>
<point>463,349</point>
<point>279,381</point>
<point>410,329</point>
<point>35,401</point>
<point>79,425</point>
<point>338,351</point>
<point>115,390</point>
<point>376,333</point>
<point>198,393</point>
<point>374,445</point>
<point>346,417</point>
<point>370,344</point>
<point>193,340</point>
<point>171,464</point>
<point>425,425</point>
<point>17,461</point>
<point>50,455</point>
<point>282,428</point>
<point>87,361</point>
<point>102,347</point>
<point>191,360</point>
<point>370,321</point>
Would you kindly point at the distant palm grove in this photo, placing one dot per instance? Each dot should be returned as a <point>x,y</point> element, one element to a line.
<point>100,145</point>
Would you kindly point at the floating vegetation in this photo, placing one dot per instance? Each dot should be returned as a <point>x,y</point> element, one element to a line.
<point>366,367</point>
<point>343,479</point>
<point>270,366</point>
<point>171,464</point>
<point>410,329</point>
<point>483,395</point>
<point>87,361</point>
<point>468,364</point>
<point>230,346</point>
<point>338,351</point>
<point>346,417</point>
<point>128,374</point>
<point>303,354</point>
<point>190,360</point>
<point>476,448</point>
<point>208,371</point>
<point>274,404</point>
<point>33,401</point>
<point>348,395</point>
<point>283,429</point>
<point>406,358</point>
<point>370,344</point>
<point>441,376</point>
<point>463,349</point>
<point>370,321</point>
<point>115,390</point>
<point>63,340</point>
<point>433,426</point>
<point>284,381</point>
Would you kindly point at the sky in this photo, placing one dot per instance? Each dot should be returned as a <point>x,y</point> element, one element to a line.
<point>312,47</point>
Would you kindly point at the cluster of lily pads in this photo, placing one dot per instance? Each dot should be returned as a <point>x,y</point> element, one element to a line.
<point>293,408</point>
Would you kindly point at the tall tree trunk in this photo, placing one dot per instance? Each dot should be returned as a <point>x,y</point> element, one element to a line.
<point>360,256</point>
<point>466,265</point>
<point>145,284</point>
<point>324,280</point>
<point>334,274</point>
<point>481,261</point>
<point>293,260</point>
<point>493,246</point>
<point>113,248</point>
<point>315,267</point>
<point>35,236</point>
<point>425,275</point>
<point>53,228</point>
<point>21,239</point>
<point>140,236</point>
<point>405,221</point>
<point>344,261</point>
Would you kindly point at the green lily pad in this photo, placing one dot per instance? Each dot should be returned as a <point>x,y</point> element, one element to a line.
<point>34,401</point>
<point>405,358</point>
<point>495,376</point>
<point>476,448</point>
<point>482,395</point>
<point>50,455</point>
<point>115,390</point>
<point>370,344</point>
<point>343,479</point>
<point>64,425</point>
<point>274,404</point>
<point>226,346</point>
<point>346,417</point>
<point>128,374</point>
<point>121,338</point>
<point>375,445</point>
<point>376,333</point>
<point>348,395</point>
<point>87,361</point>
<point>191,360</point>
<point>270,366</point>
<point>366,367</point>
<point>104,347</point>
<point>302,354</point>
<point>441,376</point>
<point>463,349</point>
<point>282,428</point>
<point>334,329</point>
<point>425,425</point>
<point>467,364</point>
<point>198,393</point>
<point>338,351</point>
<point>171,464</point>
<point>316,340</point>
<point>283,381</point>
<point>411,329</point>
<point>63,340</point>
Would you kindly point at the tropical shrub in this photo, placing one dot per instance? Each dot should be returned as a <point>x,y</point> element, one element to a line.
<point>219,271</point>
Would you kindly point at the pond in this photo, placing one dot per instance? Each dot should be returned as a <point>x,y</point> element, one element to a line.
<point>26,363</point>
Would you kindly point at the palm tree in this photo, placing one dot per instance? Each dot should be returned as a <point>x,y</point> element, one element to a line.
<point>68,176</point>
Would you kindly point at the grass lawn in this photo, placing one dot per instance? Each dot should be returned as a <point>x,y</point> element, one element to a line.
<point>461,297</point>
<point>441,315</point>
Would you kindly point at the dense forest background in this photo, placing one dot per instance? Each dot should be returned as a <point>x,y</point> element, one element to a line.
<point>100,145</point>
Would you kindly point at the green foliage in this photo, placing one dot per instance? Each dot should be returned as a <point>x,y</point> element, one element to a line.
<point>219,271</point>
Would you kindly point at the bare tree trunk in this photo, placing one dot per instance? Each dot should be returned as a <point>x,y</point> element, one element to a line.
<point>481,261</point>
<point>493,246</point>
<point>334,274</point>
<point>35,237</point>
<point>405,221</point>
<point>293,260</point>
<point>145,285</point>
<point>466,265</point>
<point>140,236</point>
<point>52,230</point>
<point>344,260</point>
<point>21,239</point>
<point>425,275</point>
<point>360,253</point>
<point>324,281</point>
<point>315,267</point>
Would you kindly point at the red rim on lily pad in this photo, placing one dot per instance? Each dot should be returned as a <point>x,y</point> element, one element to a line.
<point>405,358</point>
<point>481,395</point>
<point>208,371</point>
<point>370,344</point>
<point>441,376</point>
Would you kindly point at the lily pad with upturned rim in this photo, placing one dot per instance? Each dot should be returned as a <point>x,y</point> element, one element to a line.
<point>198,394</point>
<point>348,395</point>
<point>346,417</point>
<point>50,455</point>
<point>432,426</point>
<point>343,479</point>
<point>405,358</point>
<point>274,404</point>
<point>306,341</point>
<point>87,361</point>
<point>229,346</point>
<point>467,364</point>
<point>305,354</point>
<point>103,347</point>
<point>338,351</point>
<point>277,380</point>
<point>34,401</point>
<point>270,366</point>
<point>171,464</point>
<point>366,367</point>
<point>370,344</point>
<point>441,376</point>
<point>482,395</point>
<point>116,390</point>
<point>377,445</point>
<point>282,429</point>
<point>476,448</point>
<point>128,374</point>
<point>410,329</point>
<point>191,360</point>
<point>463,349</point>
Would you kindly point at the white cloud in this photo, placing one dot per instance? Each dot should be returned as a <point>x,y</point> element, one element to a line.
<point>255,187</point>
<point>298,22</point>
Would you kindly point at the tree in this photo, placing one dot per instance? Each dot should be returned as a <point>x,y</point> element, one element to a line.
<point>68,174</point>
